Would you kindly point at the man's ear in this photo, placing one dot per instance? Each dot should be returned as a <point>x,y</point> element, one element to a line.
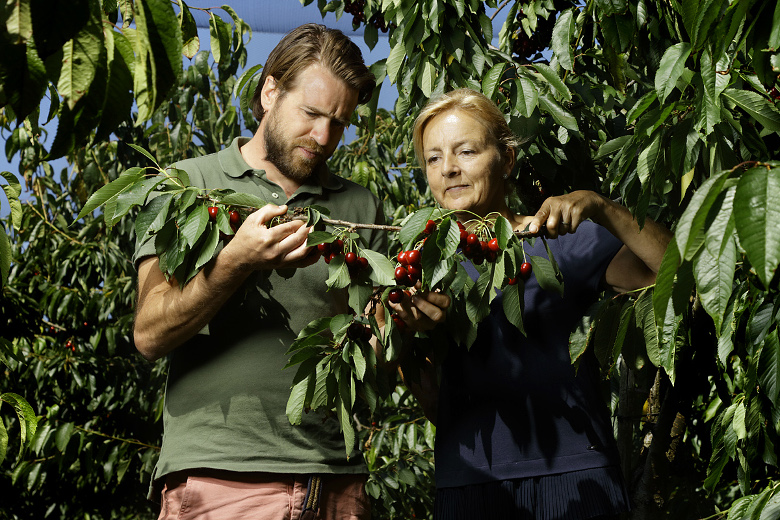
<point>269,93</point>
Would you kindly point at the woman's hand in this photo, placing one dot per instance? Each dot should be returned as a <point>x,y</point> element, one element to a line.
<point>563,214</point>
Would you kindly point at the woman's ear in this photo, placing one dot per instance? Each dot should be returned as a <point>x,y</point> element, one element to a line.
<point>510,157</point>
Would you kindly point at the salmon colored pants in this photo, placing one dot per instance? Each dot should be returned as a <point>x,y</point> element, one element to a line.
<point>220,495</point>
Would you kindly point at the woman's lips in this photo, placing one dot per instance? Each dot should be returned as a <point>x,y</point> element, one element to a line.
<point>456,188</point>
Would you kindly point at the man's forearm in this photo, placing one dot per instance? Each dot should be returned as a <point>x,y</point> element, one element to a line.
<point>168,315</point>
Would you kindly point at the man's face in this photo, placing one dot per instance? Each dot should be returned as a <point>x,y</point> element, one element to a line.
<point>305,124</point>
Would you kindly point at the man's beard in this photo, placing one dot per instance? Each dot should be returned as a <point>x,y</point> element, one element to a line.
<point>291,165</point>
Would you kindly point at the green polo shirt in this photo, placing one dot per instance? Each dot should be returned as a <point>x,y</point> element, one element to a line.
<point>227,393</point>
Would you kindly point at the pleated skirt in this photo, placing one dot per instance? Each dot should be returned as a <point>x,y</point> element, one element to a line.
<point>576,495</point>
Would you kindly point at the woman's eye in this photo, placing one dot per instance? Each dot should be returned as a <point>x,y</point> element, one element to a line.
<point>432,160</point>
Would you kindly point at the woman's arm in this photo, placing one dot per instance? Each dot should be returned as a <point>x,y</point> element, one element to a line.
<point>636,264</point>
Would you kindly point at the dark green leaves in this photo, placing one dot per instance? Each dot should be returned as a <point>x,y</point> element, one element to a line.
<point>756,214</point>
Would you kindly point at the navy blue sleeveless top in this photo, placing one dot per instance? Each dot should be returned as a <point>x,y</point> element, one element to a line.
<point>512,406</point>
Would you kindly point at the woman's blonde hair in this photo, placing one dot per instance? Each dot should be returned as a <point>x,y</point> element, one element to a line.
<point>475,104</point>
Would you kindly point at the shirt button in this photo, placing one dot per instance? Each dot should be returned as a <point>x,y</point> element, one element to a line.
<point>275,195</point>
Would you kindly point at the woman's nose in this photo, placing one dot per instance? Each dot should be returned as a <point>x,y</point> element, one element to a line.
<point>450,166</point>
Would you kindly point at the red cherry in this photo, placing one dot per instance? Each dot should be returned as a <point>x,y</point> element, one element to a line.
<point>337,246</point>
<point>395,296</point>
<point>413,256</point>
<point>472,239</point>
<point>324,248</point>
<point>402,258</point>
<point>213,210</point>
<point>363,262</point>
<point>491,256</point>
<point>400,274</point>
<point>356,331</point>
<point>511,281</point>
<point>400,323</point>
<point>350,259</point>
<point>414,271</point>
<point>493,245</point>
<point>525,270</point>
<point>483,244</point>
<point>430,227</point>
<point>69,344</point>
<point>460,225</point>
<point>235,218</point>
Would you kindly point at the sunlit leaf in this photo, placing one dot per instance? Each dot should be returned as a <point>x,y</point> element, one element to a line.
<point>671,68</point>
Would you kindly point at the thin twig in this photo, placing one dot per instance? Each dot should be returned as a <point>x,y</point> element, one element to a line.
<point>499,9</point>
<point>53,226</point>
<point>128,441</point>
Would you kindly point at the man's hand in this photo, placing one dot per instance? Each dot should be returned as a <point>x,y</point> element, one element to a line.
<point>255,246</point>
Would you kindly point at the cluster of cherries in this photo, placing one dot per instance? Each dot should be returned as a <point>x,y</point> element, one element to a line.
<point>233,216</point>
<point>356,7</point>
<point>526,47</point>
<point>358,331</point>
<point>478,251</point>
<point>330,250</point>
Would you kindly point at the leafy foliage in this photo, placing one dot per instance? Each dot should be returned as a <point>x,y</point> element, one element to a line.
<point>669,106</point>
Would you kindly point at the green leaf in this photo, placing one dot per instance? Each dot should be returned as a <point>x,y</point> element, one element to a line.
<point>558,113</point>
<point>714,277</point>
<point>5,261</point>
<point>689,233</point>
<point>562,35</point>
<point>382,269</point>
<point>492,79</point>
<point>394,61</point>
<point>545,274</point>
<point>649,158</point>
<point>524,96</point>
<point>645,321</point>
<point>580,337</point>
<point>671,68</point>
<point>414,225</point>
<point>81,58</point>
<point>639,107</point>
<point>756,214</point>
<point>769,368</point>
<point>338,273</point>
<point>144,152</point>
<point>195,225</point>
<point>152,217</point>
<point>111,190</point>
<point>245,200</point>
<point>513,303</point>
<point>12,192</point>
<point>219,33</point>
<point>28,421</point>
<point>3,442</point>
<point>63,436</point>
<point>757,106</point>
<point>158,55</point>
<point>554,80</point>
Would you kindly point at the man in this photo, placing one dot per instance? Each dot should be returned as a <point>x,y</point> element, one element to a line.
<point>228,449</point>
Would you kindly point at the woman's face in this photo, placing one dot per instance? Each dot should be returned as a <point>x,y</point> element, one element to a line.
<point>464,165</point>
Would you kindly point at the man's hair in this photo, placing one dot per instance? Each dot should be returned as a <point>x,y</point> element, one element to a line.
<point>473,103</point>
<point>309,44</point>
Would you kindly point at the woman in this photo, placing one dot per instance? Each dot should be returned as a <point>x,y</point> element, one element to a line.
<point>519,434</point>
